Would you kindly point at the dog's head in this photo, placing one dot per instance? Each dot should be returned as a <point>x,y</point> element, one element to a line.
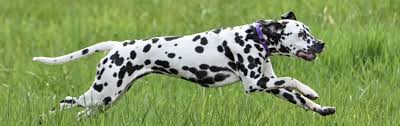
<point>291,38</point>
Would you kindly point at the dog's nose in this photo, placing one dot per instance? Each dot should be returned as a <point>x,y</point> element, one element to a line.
<point>318,47</point>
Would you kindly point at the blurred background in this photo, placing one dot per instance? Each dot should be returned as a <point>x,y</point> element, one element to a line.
<point>358,73</point>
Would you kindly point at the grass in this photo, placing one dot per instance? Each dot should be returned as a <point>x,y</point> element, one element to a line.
<point>358,73</point>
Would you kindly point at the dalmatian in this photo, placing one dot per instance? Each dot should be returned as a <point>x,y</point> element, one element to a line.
<point>214,58</point>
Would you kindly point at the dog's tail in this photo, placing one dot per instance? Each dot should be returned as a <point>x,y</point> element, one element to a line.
<point>103,46</point>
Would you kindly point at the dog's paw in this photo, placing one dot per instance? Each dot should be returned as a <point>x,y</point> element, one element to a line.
<point>324,111</point>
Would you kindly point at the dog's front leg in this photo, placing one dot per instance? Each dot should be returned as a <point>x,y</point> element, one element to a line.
<point>268,82</point>
<point>281,90</point>
<point>268,71</point>
<point>302,101</point>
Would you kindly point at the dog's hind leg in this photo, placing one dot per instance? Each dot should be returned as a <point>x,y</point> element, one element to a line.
<point>111,82</point>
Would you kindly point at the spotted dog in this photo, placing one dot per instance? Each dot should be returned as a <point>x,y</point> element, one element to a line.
<point>211,59</point>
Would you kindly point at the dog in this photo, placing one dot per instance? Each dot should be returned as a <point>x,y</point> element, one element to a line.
<point>211,59</point>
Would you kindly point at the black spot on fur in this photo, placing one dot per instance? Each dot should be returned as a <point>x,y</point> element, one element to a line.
<point>162,63</point>
<point>240,58</point>
<point>205,81</point>
<point>173,71</point>
<point>250,59</point>
<point>171,38</point>
<point>159,46</point>
<point>280,82</point>
<point>220,49</point>
<point>242,68</point>
<point>107,100</point>
<point>289,98</point>
<point>247,48</point>
<point>228,52</point>
<point>85,51</point>
<point>105,60</point>
<point>220,77</point>
<point>204,66</point>
<point>252,34</point>
<point>232,65</point>
<point>252,74</point>
<point>252,90</point>
<point>101,73</point>
<point>262,82</point>
<point>154,40</point>
<point>146,48</point>
<point>133,54</point>
<point>238,39</point>
<point>203,41</point>
<point>132,42</point>
<point>274,91</point>
<point>252,63</point>
<point>196,38</point>
<point>98,87</point>
<point>119,83</point>
<point>199,49</point>
<point>301,99</point>
<point>217,69</point>
<point>224,43</point>
<point>185,68</point>
<point>216,31</point>
<point>171,55</point>
<point>116,59</point>
<point>258,47</point>
<point>70,101</point>
<point>257,61</point>
<point>115,75</point>
<point>284,49</point>
<point>147,62</point>
<point>128,68</point>
<point>199,74</point>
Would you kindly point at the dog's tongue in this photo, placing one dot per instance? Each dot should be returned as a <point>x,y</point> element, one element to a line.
<point>305,55</point>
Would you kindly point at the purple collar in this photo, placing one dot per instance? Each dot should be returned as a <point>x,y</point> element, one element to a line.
<point>261,37</point>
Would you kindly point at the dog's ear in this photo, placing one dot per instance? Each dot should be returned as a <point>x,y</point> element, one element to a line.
<point>272,28</point>
<point>288,15</point>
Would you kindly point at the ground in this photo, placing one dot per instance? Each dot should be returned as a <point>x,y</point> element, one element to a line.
<point>358,73</point>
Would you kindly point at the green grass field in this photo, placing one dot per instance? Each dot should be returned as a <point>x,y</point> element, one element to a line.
<point>358,73</point>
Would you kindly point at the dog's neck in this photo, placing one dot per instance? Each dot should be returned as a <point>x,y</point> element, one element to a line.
<point>273,43</point>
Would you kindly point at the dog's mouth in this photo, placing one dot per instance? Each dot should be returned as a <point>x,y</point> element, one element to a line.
<point>309,56</point>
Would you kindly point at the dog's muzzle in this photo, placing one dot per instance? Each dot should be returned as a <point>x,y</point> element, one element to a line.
<point>310,54</point>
